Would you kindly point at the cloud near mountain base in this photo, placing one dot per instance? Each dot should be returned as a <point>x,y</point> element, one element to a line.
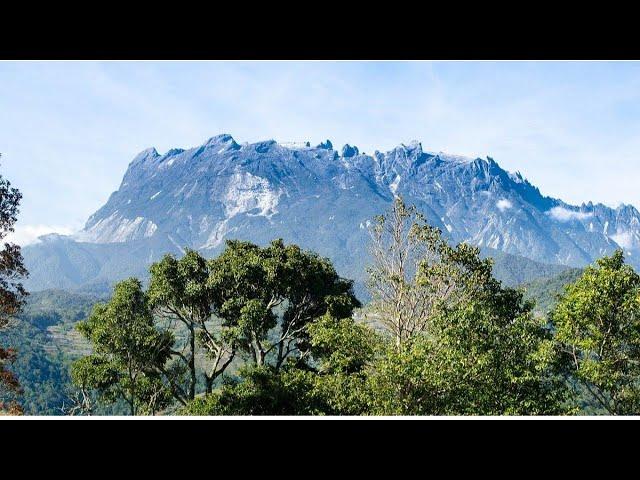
<point>28,234</point>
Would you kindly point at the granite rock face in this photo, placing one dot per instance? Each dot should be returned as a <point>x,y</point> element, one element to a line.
<point>322,199</point>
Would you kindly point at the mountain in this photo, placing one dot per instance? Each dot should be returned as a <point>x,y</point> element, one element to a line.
<point>322,199</point>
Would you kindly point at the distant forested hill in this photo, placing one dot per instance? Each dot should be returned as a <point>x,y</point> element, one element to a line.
<point>514,270</point>
<point>545,291</point>
<point>46,341</point>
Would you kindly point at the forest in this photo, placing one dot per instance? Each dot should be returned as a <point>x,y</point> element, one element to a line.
<point>274,330</point>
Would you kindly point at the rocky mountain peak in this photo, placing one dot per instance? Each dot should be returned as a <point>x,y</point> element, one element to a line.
<point>349,151</point>
<point>145,154</point>
<point>322,200</point>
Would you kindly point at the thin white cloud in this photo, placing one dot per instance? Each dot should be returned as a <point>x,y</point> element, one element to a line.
<point>564,214</point>
<point>624,239</point>
<point>28,234</point>
<point>504,204</point>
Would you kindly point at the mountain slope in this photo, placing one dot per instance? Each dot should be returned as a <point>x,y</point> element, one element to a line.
<point>322,199</point>
<point>545,291</point>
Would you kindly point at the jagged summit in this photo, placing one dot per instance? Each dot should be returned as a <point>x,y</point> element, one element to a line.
<point>150,152</point>
<point>349,151</point>
<point>413,146</point>
<point>412,150</point>
<point>220,139</point>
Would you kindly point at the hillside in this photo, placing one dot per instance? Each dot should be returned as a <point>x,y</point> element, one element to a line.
<point>545,291</point>
<point>44,336</point>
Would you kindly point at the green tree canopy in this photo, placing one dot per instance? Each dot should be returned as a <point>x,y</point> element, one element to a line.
<point>462,344</point>
<point>268,295</point>
<point>129,352</point>
<point>179,289</point>
<point>597,323</point>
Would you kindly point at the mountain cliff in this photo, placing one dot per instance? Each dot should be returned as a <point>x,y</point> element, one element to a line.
<point>321,198</point>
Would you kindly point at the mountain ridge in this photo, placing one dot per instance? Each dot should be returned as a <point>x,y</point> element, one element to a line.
<point>322,199</point>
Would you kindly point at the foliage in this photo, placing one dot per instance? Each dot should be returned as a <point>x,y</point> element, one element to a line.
<point>43,376</point>
<point>597,324</point>
<point>343,351</point>
<point>475,363</point>
<point>260,390</point>
<point>12,293</point>
<point>267,297</point>
<point>463,344</point>
<point>179,290</point>
<point>129,352</point>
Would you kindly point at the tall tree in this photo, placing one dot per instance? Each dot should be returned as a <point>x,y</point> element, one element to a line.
<point>269,295</point>
<point>267,300</point>
<point>397,246</point>
<point>415,272</point>
<point>130,353</point>
<point>12,293</point>
<point>333,383</point>
<point>462,344</point>
<point>180,290</point>
<point>483,355</point>
<point>597,322</point>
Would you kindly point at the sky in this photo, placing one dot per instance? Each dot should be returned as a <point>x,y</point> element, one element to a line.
<point>68,130</point>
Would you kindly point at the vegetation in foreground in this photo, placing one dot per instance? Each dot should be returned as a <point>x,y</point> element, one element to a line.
<point>274,330</point>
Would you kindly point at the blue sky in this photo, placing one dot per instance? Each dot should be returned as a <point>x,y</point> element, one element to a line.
<point>69,129</point>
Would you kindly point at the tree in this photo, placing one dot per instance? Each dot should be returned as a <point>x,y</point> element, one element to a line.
<point>597,322</point>
<point>268,296</point>
<point>343,352</point>
<point>12,293</point>
<point>180,290</point>
<point>129,355</point>
<point>462,344</point>
<point>9,383</point>
<point>497,358</point>
<point>331,382</point>
<point>267,300</point>
<point>486,356</point>
<point>402,241</point>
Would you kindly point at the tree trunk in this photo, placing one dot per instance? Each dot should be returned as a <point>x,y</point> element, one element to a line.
<point>132,391</point>
<point>192,362</point>
<point>209,383</point>
<point>260,358</point>
<point>280,355</point>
